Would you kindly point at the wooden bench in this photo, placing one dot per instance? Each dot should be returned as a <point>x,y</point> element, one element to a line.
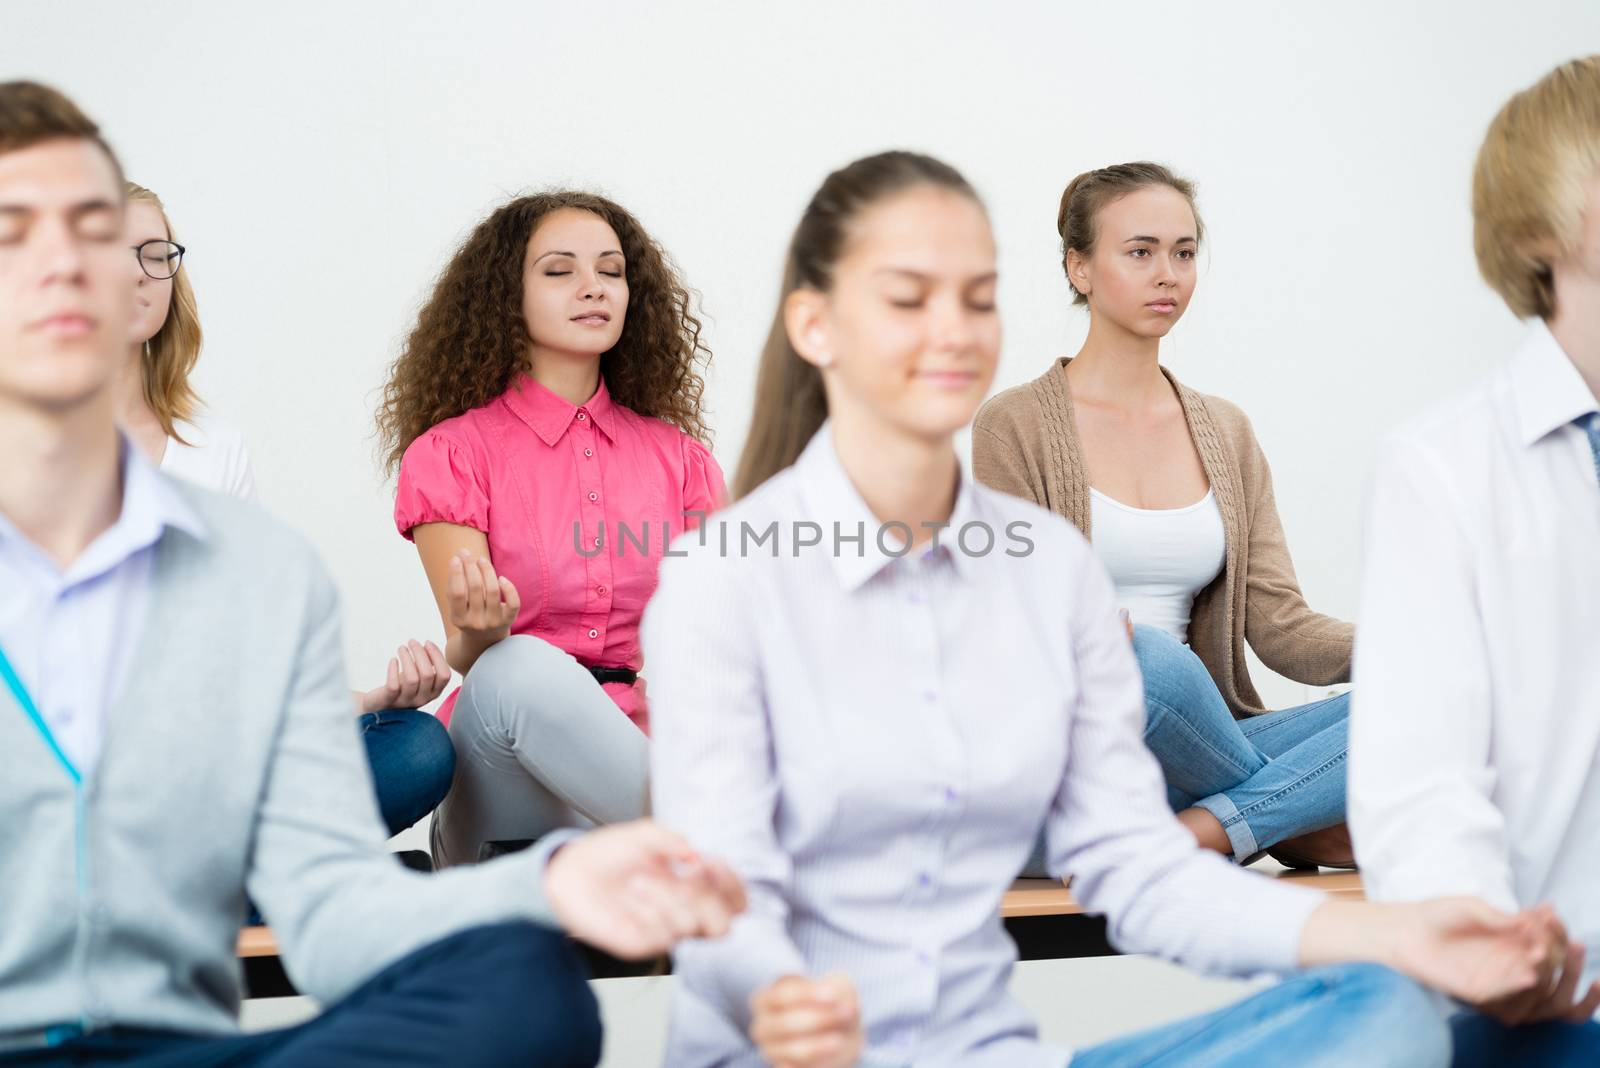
<point>1041,915</point>
<point>1047,923</point>
<point>1047,897</point>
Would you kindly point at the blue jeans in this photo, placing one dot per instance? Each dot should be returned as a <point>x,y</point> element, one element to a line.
<point>1351,1014</point>
<point>1266,778</point>
<point>1485,1043</point>
<point>504,994</point>
<point>412,763</point>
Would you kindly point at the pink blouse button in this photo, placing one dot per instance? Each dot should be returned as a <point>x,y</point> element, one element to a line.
<point>581,415</point>
<point>601,591</point>
<point>594,496</point>
<point>588,452</point>
<point>594,633</point>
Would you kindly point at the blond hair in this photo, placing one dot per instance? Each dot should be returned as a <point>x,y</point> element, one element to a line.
<point>169,357</point>
<point>1528,188</point>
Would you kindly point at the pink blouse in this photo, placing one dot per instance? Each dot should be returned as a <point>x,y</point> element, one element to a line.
<point>527,469</point>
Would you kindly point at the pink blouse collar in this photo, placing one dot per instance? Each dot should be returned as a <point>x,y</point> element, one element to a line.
<point>549,415</point>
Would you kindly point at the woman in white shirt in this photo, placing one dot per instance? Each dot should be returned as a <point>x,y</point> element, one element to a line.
<point>156,404</point>
<point>410,753</point>
<point>872,732</point>
<point>1175,494</point>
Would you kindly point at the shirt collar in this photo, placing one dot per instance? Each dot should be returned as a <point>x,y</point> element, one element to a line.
<point>1549,391</point>
<point>831,498</point>
<point>150,504</point>
<point>549,415</point>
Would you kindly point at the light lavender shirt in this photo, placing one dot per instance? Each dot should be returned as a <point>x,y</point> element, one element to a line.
<point>70,634</point>
<point>873,742</point>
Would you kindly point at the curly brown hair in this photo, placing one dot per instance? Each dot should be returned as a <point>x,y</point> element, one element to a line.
<point>471,339</point>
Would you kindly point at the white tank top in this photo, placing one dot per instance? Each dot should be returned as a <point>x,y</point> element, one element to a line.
<point>1159,558</point>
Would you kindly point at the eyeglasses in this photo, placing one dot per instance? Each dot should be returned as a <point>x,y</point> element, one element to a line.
<point>159,259</point>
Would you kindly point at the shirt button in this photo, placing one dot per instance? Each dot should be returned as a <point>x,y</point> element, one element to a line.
<point>914,597</point>
<point>950,795</point>
<point>601,591</point>
<point>924,879</point>
<point>597,543</point>
<point>588,452</point>
<point>923,957</point>
<point>594,496</point>
<point>594,633</point>
<point>581,415</point>
<point>930,696</point>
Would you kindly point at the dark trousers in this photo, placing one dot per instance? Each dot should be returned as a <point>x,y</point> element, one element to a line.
<point>509,994</point>
<point>1481,1042</point>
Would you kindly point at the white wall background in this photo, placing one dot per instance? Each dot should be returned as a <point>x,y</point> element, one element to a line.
<point>322,159</point>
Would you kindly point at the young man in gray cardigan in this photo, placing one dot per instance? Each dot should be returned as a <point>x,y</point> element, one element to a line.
<point>175,734</point>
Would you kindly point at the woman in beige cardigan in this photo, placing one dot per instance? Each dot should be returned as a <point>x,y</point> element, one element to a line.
<point>1176,495</point>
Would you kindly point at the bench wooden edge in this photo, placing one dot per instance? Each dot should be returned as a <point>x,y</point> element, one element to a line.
<point>1027,897</point>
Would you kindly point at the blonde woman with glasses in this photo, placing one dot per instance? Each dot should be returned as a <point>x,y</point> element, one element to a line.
<point>156,405</point>
<point>410,754</point>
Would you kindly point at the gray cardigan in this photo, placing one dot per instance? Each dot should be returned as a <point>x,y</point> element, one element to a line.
<point>231,763</point>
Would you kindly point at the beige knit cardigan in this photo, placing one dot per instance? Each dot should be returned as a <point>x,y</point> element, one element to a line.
<point>1025,442</point>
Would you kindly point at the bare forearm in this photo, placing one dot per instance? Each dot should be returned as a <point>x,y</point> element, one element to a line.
<point>464,647</point>
<point>1343,931</point>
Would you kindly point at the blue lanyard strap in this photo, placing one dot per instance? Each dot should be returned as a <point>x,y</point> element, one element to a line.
<point>20,692</point>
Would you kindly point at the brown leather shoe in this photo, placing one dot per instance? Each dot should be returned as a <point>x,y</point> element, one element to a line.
<point>1327,848</point>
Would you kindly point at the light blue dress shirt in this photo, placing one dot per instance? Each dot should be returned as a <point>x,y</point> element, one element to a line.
<point>70,634</point>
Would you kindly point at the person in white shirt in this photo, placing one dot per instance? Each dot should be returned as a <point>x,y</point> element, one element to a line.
<point>871,721</point>
<point>409,751</point>
<point>157,405</point>
<point>1480,612</point>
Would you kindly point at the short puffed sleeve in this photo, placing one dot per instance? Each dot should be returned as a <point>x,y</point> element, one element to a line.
<point>439,483</point>
<point>703,487</point>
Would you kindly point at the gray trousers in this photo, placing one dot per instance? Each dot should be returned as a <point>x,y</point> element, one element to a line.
<point>539,746</point>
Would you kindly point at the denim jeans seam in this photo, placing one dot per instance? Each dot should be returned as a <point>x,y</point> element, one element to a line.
<point>1200,739</point>
<point>1304,780</point>
<point>1287,715</point>
<point>1241,836</point>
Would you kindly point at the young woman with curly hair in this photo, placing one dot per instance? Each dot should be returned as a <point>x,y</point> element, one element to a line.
<point>545,419</point>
